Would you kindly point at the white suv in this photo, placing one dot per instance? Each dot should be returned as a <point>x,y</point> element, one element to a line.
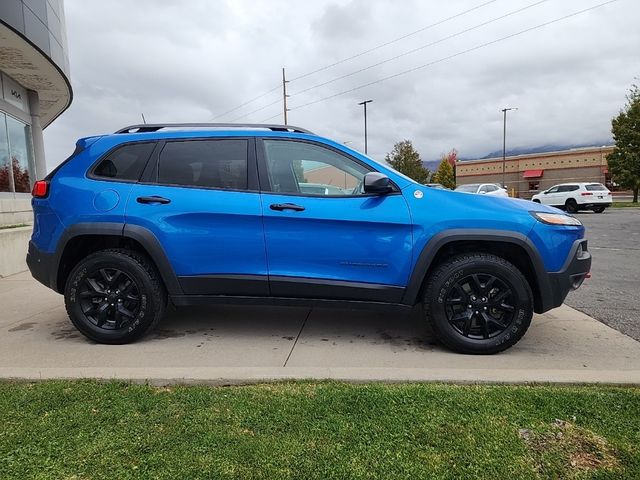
<point>484,188</point>
<point>576,196</point>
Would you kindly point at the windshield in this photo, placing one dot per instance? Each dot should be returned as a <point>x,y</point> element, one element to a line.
<point>471,188</point>
<point>596,187</point>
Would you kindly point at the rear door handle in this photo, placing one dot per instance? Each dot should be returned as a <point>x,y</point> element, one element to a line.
<point>286,206</point>
<point>153,199</point>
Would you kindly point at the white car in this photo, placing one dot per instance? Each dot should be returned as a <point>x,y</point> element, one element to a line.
<point>483,188</point>
<point>576,196</point>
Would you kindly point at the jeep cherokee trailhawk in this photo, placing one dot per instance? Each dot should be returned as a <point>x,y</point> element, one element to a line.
<point>197,214</point>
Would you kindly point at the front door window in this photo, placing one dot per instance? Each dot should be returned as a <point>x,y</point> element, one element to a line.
<point>307,169</point>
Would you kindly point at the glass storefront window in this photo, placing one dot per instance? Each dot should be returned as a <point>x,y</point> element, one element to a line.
<point>6,179</point>
<point>16,162</point>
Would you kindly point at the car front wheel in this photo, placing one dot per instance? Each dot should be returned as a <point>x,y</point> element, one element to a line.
<point>478,303</point>
<point>571,206</point>
<point>114,296</point>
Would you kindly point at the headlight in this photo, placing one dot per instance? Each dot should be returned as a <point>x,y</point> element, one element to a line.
<point>556,219</point>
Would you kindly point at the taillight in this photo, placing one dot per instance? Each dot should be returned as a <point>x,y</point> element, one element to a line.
<point>40,189</point>
<point>584,194</point>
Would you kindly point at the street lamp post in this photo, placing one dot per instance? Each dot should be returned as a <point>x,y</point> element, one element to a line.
<point>504,141</point>
<point>364,104</point>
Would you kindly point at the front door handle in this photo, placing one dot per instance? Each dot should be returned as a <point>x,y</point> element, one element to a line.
<point>153,199</point>
<point>286,206</point>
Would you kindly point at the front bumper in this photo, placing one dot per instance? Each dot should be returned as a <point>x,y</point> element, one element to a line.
<point>41,266</point>
<point>572,274</point>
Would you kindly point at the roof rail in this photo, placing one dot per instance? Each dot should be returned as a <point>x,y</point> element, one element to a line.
<point>154,127</point>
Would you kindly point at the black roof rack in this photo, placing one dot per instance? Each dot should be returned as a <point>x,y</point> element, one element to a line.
<point>154,127</point>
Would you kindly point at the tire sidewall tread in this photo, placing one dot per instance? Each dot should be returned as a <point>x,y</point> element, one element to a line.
<point>153,301</point>
<point>458,267</point>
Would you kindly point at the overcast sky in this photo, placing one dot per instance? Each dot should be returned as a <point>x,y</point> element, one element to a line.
<point>193,60</point>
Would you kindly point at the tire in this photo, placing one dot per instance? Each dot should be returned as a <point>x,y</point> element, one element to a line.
<point>571,206</point>
<point>489,325</point>
<point>536,201</point>
<point>599,209</point>
<point>111,307</point>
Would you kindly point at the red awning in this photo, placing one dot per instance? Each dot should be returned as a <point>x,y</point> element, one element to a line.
<point>532,173</point>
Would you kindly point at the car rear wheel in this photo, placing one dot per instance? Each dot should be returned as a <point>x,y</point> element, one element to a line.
<point>478,303</point>
<point>599,209</point>
<point>571,206</point>
<point>114,296</point>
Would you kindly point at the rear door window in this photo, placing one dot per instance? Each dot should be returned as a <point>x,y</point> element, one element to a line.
<point>125,163</point>
<point>219,163</point>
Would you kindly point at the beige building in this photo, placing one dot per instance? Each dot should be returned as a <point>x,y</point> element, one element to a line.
<point>525,175</point>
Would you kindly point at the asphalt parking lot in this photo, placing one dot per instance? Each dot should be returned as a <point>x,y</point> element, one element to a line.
<point>612,294</point>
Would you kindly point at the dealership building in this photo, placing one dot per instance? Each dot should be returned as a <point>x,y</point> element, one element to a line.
<point>526,175</point>
<point>34,91</point>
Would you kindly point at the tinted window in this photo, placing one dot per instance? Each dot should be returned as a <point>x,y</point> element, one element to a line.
<point>299,167</point>
<point>125,163</point>
<point>204,163</point>
<point>491,188</point>
<point>596,187</point>
<point>552,190</point>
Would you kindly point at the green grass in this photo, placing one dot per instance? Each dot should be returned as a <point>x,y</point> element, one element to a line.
<point>87,430</point>
<point>625,204</point>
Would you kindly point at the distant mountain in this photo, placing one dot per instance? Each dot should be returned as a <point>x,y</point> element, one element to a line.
<point>431,165</point>
<point>541,149</point>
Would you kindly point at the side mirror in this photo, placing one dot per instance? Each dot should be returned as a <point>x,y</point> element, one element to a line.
<point>482,192</point>
<point>376,182</point>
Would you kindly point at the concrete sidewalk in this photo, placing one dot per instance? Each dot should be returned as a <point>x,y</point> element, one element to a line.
<point>226,345</point>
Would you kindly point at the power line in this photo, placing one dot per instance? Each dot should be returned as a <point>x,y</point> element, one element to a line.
<point>270,118</point>
<point>245,103</point>
<point>257,109</point>
<point>238,107</point>
<point>422,47</point>
<point>477,47</point>
<point>395,40</point>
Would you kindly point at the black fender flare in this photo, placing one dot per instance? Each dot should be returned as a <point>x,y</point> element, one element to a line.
<point>142,235</point>
<point>440,240</point>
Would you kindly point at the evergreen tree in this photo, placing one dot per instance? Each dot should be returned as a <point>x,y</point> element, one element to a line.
<point>444,174</point>
<point>624,161</point>
<point>405,159</point>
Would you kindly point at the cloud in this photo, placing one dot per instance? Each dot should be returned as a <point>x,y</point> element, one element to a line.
<point>192,61</point>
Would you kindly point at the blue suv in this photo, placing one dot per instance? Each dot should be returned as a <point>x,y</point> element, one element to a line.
<point>192,214</point>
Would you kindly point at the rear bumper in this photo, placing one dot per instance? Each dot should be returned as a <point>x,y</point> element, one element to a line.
<point>41,266</point>
<point>605,204</point>
<point>573,273</point>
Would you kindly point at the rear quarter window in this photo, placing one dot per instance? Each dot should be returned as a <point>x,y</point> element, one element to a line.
<point>124,163</point>
<point>204,163</point>
<point>596,187</point>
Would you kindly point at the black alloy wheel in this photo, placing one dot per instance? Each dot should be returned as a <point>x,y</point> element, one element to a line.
<point>478,303</point>
<point>109,298</point>
<point>115,296</point>
<point>480,306</point>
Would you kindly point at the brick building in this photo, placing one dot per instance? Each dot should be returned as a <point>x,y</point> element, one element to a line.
<point>525,175</point>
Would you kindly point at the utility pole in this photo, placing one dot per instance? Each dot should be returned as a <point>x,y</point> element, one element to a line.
<point>504,141</point>
<point>364,104</point>
<point>284,96</point>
